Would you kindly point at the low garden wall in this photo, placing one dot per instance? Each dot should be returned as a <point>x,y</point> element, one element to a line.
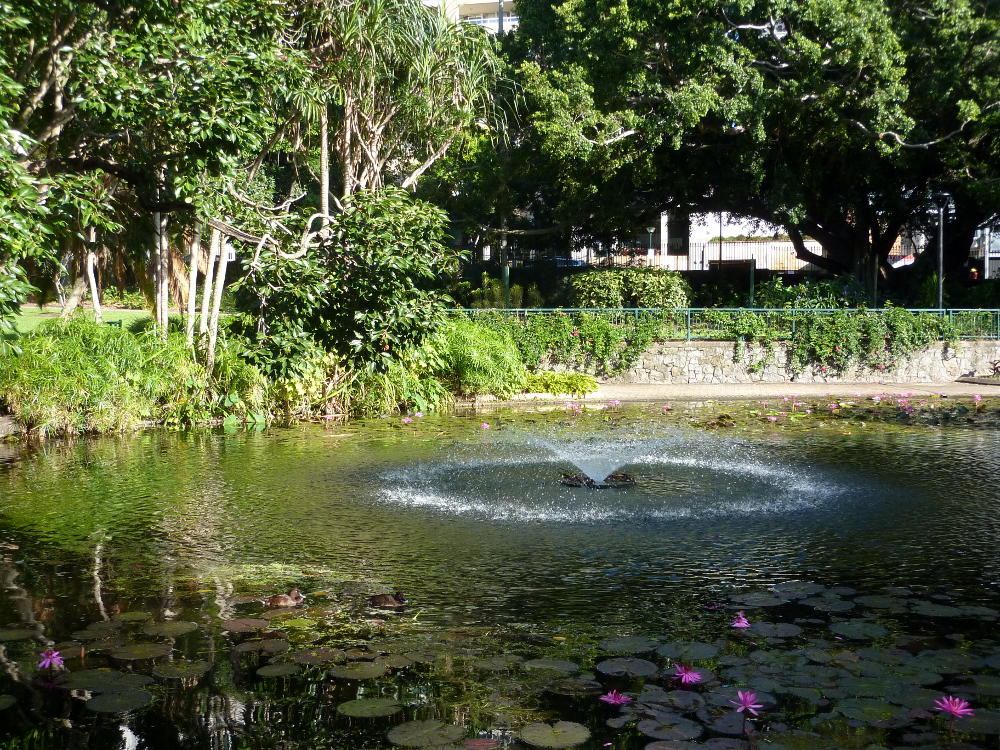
<point>692,362</point>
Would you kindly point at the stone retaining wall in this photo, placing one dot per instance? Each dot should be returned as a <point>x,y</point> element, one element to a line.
<point>692,362</point>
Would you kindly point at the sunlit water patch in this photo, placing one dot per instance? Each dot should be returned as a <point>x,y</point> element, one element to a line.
<point>680,476</point>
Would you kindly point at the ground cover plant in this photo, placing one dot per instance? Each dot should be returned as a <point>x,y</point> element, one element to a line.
<point>80,377</point>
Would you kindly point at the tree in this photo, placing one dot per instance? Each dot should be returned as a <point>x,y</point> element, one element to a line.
<point>362,294</point>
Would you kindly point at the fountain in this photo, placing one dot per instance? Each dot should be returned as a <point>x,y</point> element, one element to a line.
<point>616,481</point>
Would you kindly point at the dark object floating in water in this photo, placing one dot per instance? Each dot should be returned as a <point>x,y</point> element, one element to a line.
<point>388,600</point>
<point>616,481</point>
<point>292,599</point>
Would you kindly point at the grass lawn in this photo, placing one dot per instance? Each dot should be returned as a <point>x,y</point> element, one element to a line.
<point>32,316</point>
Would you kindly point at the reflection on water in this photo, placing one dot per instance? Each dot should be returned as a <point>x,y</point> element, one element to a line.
<point>476,528</point>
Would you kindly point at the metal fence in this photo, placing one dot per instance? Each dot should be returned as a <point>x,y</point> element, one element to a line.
<point>708,323</point>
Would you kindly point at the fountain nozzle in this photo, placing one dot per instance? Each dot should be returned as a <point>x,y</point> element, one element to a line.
<point>616,481</point>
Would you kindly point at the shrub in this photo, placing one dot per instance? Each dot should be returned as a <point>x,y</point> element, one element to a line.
<point>362,294</point>
<point>481,360</point>
<point>14,290</point>
<point>839,293</point>
<point>490,294</point>
<point>607,343</point>
<point>83,377</point>
<point>629,287</point>
<point>561,383</point>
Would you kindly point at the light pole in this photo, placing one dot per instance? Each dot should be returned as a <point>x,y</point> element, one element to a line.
<point>942,200</point>
<point>721,214</point>
<point>649,251</point>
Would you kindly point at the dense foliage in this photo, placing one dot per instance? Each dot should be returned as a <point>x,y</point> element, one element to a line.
<point>366,293</point>
<point>82,377</point>
<point>481,360</point>
<point>628,288</point>
<point>602,343</point>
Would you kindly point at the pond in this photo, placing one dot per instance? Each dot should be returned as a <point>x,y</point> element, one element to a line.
<point>860,541</point>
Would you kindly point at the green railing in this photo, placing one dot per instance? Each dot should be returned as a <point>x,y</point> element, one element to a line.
<point>715,322</point>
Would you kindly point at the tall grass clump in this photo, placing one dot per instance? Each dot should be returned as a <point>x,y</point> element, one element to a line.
<point>480,360</point>
<point>79,377</point>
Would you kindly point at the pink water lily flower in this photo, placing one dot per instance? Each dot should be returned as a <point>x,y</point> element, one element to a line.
<point>50,660</point>
<point>614,402</point>
<point>666,407</point>
<point>772,419</point>
<point>957,707</point>
<point>741,621</point>
<point>485,425</point>
<point>419,415</point>
<point>687,675</point>
<point>977,398</point>
<point>745,702</point>
<point>406,420</point>
<point>614,698</point>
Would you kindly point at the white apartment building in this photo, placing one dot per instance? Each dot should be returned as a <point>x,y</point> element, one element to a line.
<point>486,14</point>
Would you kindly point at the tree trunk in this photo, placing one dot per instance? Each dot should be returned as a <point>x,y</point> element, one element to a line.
<point>324,165</point>
<point>193,283</point>
<point>75,296</point>
<point>157,267</point>
<point>206,293</point>
<point>213,324</point>
<point>95,294</point>
<point>164,299</point>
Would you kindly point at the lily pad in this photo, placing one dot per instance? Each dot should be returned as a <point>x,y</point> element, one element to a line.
<point>245,625</point>
<point>858,630</point>
<point>627,667</point>
<point>425,733</point>
<point>6,701</point>
<point>576,686</point>
<point>317,656</point>
<point>552,665</point>
<point>104,680</point>
<point>828,604</point>
<point>874,711</point>
<point>672,728</point>
<point>776,629</point>
<point>633,644</point>
<point>139,651</point>
<point>17,634</point>
<point>759,599</point>
<point>183,670</point>
<point>931,609</point>
<point>279,669</point>
<point>134,616</point>
<point>394,661</point>
<point>170,629</point>
<point>559,734</point>
<point>358,670</point>
<point>119,702</point>
<point>685,701</point>
<point>369,708</point>
<point>687,650</point>
<point>984,722</point>
<point>879,601</point>
<point>797,589</point>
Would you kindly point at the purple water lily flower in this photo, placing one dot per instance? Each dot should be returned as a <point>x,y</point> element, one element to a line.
<point>956,707</point>
<point>50,660</point>
<point>745,702</point>
<point>614,698</point>
<point>741,621</point>
<point>687,675</point>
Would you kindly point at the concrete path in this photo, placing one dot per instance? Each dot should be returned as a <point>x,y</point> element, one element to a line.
<point>765,391</point>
